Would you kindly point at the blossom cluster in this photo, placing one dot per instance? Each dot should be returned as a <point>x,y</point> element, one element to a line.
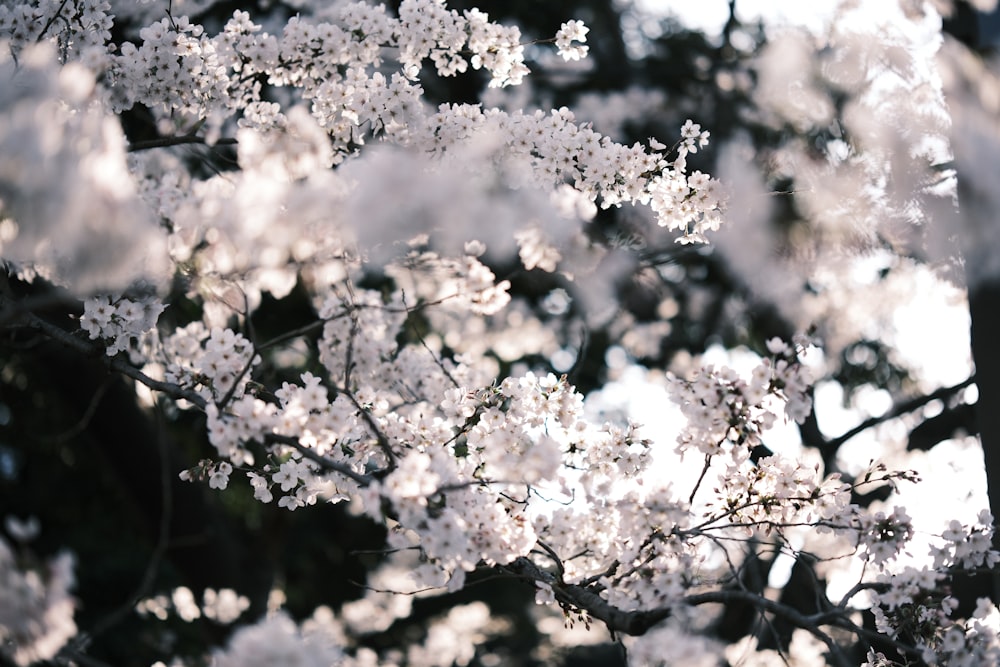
<point>338,93</point>
<point>779,491</point>
<point>884,536</point>
<point>967,546</point>
<point>214,362</point>
<point>452,639</point>
<point>216,472</point>
<point>912,602</point>
<point>223,606</point>
<point>692,138</point>
<point>327,59</point>
<point>74,217</point>
<point>729,413</point>
<point>277,640</point>
<point>119,320</point>
<point>219,77</point>
<point>569,32</point>
<point>555,149</point>
<point>927,617</point>
<point>37,606</point>
<point>462,472</point>
<point>80,28</point>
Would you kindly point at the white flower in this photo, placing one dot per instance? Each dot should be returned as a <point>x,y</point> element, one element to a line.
<point>184,604</point>
<point>544,594</point>
<point>954,640</point>
<point>287,475</point>
<point>569,32</point>
<point>225,605</point>
<point>97,314</point>
<point>219,479</point>
<point>290,502</point>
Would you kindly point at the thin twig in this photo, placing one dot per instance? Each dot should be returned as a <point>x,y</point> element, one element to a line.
<point>437,359</point>
<point>555,558</point>
<point>389,591</point>
<point>708,462</point>
<point>380,438</point>
<point>88,414</point>
<point>294,333</point>
<point>52,19</point>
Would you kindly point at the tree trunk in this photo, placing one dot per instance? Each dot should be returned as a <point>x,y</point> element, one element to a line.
<point>984,307</point>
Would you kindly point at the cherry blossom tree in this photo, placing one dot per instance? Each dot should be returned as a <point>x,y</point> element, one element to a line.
<point>334,322</point>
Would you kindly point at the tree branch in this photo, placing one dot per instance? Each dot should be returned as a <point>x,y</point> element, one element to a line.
<point>898,411</point>
<point>329,464</point>
<point>380,438</point>
<point>638,622</point>
<point>176,391</point>
<point>117,364</point>
<point>164,142</point>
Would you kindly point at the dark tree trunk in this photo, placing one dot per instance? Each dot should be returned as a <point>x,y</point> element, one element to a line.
<point>984,307</point>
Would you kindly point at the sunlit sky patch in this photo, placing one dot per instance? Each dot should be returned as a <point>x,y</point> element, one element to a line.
<point>710,15</point>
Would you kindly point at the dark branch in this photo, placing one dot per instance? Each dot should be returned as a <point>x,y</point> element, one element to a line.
<point>588,599</point>
<point>329,464</point>
<point>898,411</point>
<point>176,391</point>
<point>117,364</point>
<point>380,437</point>
<point>164,142</point>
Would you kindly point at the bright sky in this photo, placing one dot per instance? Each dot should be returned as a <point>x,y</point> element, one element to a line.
<point>711,15</point>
